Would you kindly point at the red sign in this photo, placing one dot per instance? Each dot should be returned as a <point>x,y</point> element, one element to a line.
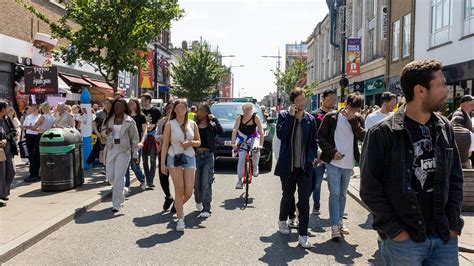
<point>227,90</point>
<point>353,56</point>
<point>146,73</point>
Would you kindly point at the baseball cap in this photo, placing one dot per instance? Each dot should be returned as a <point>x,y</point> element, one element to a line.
<point>466,98</point>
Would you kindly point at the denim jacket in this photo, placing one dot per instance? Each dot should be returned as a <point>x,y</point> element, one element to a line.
<point>286,127</point>
<point>386,175</point>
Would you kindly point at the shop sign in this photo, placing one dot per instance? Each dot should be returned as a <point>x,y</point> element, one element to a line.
<point>41,80</point>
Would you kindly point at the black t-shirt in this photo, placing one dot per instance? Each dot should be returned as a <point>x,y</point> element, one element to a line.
<point>152,115</point>
<point>424,167</point>
<point>203,134</point>
<point>100,118</point>
<point>319,116</point>
<point>139,120</point>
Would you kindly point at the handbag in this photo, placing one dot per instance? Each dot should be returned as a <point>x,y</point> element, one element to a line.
<point>180,159</point>
<point>23,147</point>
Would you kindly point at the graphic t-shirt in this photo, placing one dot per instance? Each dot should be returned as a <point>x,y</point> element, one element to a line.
<point>424,167</point>
<point>152,116</point>
<point>319,116</point>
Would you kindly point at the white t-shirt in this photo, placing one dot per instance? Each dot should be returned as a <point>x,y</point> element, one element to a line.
<point>30,120</point>
<point>344,140</point>
<point>374,118</point>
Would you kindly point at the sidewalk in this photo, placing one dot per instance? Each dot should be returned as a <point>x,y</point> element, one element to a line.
<point>31,214</point>
<point>466,240</point>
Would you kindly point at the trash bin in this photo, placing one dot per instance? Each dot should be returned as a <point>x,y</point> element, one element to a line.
<point>61,159</point>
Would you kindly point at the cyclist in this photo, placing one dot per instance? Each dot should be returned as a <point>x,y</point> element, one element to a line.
<point>247,128</point>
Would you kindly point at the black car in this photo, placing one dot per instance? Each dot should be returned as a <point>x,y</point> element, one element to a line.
<point>227,113</point>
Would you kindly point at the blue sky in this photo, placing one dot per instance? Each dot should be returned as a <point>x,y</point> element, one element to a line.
<point>249,29</point>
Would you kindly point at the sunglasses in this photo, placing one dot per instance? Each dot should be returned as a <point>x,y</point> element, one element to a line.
<point>428,143</point>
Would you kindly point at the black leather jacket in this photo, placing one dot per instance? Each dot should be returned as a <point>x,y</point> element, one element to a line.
<point>386,173</point>
<point>213,129</point>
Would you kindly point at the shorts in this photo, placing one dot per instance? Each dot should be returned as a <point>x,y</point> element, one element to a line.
<point>191,162</point>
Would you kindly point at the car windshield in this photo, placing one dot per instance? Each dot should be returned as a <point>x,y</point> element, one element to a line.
<point>229,112</point>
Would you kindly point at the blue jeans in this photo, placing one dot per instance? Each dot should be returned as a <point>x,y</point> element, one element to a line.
<point>431,252</point>
<point>338,182</point>
<point>318,179</point>
<point>136,169</point>
<point>204,179</point>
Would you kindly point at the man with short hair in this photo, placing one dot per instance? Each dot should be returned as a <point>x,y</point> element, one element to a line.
<point>339,134</point>
<point>297,131</point>
<point>329,100</point>
<point>411,176</point>
<point>389,101</point>
<point>461,117</point>
<point>150,147</point>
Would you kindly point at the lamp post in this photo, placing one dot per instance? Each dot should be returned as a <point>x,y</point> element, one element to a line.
<point>278,69</point>
<point>232,77</point>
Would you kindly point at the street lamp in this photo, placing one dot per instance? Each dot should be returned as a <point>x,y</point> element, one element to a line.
<point>232,75</point>
<point>278,69</point>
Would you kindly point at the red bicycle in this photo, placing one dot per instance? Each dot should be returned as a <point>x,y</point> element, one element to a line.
<point>248,168</point>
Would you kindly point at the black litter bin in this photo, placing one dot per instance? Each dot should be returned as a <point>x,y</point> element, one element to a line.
<point>61,159</point>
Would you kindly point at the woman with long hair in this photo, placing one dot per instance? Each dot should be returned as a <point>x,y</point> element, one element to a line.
<point>164,178</point>
<point>179,138</point>
<point>122,141</point>
<point>44,122</point>
<point>140,120</point>
<point>209,127</point>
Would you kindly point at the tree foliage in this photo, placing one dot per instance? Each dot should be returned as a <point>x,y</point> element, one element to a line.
<point>197,73</point>
<point>110,33</point>
<point>295,76</point>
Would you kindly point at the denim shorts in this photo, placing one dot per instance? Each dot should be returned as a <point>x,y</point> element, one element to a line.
<point>191,162</point>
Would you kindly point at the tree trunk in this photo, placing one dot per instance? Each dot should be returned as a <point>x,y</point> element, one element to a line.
<point>116,82</point>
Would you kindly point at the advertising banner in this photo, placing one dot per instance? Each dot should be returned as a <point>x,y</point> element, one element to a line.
<point>146,73</point>
<point>41,80</point>
<point>353,56</point>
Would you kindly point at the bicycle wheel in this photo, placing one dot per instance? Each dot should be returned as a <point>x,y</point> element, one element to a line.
<point>247,182</point>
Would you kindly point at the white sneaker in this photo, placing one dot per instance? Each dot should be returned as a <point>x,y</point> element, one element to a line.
<point>336,232</point>
<point>199,206</point>
<point>126,191</point>
<point>343,229</point>
<point>304,242</point>
<point>180,225</point>
<point>283,227</point>
<point>143,185</point>
<point>204,215</point>
<point>294,223</point>
<point>239,184</point>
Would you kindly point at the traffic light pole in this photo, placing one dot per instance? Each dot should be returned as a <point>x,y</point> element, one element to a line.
<point>344,82</point>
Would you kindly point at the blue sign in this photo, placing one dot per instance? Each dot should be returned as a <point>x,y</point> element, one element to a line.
<point>164,88</point>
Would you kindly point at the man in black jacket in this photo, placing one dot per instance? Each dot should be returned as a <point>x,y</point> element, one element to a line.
<point>411,176</point>
<point>339,135</point>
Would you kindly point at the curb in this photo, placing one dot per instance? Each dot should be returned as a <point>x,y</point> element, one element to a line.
<point>20,244</point>
<point>355,195</point>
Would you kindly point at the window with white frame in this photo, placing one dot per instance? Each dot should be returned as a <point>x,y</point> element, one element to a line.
<point>396,40</point>
<point>371,50</point>
<point>468,27</point>
<point>406,35</point>
<point>440,21</point>
<point>358,14</point>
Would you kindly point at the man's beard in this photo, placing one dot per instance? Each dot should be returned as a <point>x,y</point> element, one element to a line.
<point>430,106</point>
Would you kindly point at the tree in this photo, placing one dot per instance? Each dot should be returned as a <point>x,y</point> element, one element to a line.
<point>197,73</point>
<point>295,76</point>
<point>111,35</point>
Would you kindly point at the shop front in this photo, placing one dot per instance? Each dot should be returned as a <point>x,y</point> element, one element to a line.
<point>460,81</point>
<point>373,89</point>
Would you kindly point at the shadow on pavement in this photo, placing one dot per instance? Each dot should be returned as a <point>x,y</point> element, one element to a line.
<point>237,203</point>
<point>158,218</point>
<point>368,223</point>
<point>280,252</point>
<point>377,259</point>
<point>157,239</point>
<point>317,224</point>
<point>92,216</point>
<point>343,252</point>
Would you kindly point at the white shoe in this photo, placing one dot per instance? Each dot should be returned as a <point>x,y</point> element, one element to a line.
<point>304,242</point>
<point>199,206</point>
<point>336,232</point>
<point>180,225</point>
<point>126,191</point>
<point>343,229</point>
<point>239,184</point>
<point>294,223</point>
<point>143,185</point>
<point>283,227</point>
<point>204,215</point>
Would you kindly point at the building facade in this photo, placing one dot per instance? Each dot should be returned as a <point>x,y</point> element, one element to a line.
<point>445,31</point>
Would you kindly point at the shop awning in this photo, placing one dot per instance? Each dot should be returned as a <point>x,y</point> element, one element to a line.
<point>63,87</point>
<point>99,84</point>
<point>74,79</point>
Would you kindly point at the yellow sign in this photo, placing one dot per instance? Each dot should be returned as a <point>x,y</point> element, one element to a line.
<point>340,106</point>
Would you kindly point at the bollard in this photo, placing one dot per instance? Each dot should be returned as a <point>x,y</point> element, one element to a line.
<point>86,126</point>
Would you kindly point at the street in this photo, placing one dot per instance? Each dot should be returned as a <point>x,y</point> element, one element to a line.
<point>142,234</point>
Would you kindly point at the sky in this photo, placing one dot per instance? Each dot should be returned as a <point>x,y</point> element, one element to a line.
<point>249,29</point>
